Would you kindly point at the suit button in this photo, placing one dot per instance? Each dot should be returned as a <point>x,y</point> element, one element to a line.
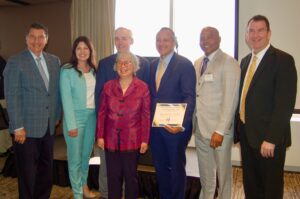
<point>47,107</point>
<point>197,95</point>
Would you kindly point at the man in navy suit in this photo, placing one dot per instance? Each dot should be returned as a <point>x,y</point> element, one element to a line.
<point>267,99</point>
<point>123,41</point>
<point>175,85</point>
<point>33,103</point>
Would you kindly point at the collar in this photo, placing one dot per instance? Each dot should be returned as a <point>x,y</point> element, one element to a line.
<point>167,58</point>
<point>211,55</point>
<point>262,52</point>
<point>34,56</point>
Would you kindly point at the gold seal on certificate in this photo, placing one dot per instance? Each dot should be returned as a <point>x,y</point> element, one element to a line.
<point>169,114</point>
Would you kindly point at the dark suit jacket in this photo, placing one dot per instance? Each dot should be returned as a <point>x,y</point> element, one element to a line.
<point>29,104</point>
<point>106,72</point>
<point>2,66</point>
<point>271,98</point>
<point>177,86</point>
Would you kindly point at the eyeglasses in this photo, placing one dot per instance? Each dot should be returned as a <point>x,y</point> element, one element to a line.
<point>125,63</point>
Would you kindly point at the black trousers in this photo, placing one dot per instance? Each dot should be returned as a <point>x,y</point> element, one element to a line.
<point>34,161</point>
<point>122,165</point>
<point>262,177</point>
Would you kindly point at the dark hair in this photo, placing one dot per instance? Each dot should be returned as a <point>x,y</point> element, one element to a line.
<point>90,60</point>
<point>37,25</point>
<point>172,34</point>
<point>260,18</point>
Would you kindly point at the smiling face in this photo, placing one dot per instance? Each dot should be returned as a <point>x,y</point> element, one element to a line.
<point>123,39</point>
<point>36,40</point>
<point>258,35</point>
<point>125,67</point>
<point>165,42</point>
<point>209,40</point>
<point>82,52</point>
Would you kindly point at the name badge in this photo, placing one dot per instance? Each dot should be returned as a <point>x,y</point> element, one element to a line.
<point>208,77</point>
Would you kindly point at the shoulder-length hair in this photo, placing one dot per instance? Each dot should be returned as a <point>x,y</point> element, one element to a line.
<point>91,60</point>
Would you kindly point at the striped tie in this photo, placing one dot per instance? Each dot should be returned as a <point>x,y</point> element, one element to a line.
<point>204,65</point>
<point>42,72</point>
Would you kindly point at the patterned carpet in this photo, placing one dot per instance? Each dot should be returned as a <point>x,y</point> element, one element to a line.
<point>291,185</point>
<point>8,187</point>
<point>9,190</point>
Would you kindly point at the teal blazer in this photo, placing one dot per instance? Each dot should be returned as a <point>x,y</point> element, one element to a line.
<point>73,94</point>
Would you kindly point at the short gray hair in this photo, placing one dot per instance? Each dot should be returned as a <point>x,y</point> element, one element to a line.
<point>133,59</point>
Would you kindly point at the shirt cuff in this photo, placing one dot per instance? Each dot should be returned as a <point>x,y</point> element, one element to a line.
<point>220,133</point>
<point>18,129</point>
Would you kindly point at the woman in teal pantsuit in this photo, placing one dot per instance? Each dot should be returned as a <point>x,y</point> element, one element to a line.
<point>77,85</point>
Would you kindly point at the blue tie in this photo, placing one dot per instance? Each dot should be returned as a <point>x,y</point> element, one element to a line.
<point>204,65</point>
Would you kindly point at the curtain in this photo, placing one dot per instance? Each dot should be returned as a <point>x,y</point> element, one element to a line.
<point>96,20</point>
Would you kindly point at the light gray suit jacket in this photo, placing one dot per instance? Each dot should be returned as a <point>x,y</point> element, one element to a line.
<point>29,104</point>
<point>216,94</point>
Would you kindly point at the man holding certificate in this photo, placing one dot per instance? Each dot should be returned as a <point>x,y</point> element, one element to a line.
<point>172,88</point>
<point>218,78</point>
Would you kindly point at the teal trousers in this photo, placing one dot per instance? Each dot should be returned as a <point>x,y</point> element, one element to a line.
<point>79,149</point>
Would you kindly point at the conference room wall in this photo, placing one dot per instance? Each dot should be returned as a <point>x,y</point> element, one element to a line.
<point>285,26</point>
<point>15,20</point>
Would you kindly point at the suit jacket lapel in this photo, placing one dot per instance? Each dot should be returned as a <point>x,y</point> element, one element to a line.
<point>32,64</point>
<point>210,67</point>
<point>153,76</point>
<point>168,72</point>
<point>260,68</point>
<point>201,78</point>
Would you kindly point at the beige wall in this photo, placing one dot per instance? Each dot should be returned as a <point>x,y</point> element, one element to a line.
<point>284,20</point>
<point>14,22</point>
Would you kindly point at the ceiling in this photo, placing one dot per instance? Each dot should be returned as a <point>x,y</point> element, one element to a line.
<point>24,2</point>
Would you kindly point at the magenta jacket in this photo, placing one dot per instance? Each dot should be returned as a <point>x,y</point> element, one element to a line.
<point>124,120</point>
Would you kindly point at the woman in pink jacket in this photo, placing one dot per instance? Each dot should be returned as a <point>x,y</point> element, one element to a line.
<point>123,126</point>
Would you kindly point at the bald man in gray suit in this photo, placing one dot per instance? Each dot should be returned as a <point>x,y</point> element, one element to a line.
<point>218,78</point>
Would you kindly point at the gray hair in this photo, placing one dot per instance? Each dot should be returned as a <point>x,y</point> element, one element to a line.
<point>133,59</point>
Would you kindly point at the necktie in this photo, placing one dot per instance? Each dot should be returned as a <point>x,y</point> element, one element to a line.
<point>42,72</point>
<point>204,65</point>
<point>160,73</point>
<point>248,80</point>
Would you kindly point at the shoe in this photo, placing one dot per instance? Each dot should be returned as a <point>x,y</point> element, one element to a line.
<point>89,195</point>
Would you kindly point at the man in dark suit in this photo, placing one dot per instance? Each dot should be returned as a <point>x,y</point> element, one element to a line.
<point>123,41</point>
<point>176,84</point>
<point>267,99</point>
<point>32,94</point>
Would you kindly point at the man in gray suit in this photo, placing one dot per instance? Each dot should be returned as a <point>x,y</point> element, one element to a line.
<point>32,94</point>
<point>218,78</point>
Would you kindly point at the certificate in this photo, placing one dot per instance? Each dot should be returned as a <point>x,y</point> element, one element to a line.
<point>169,114</point>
